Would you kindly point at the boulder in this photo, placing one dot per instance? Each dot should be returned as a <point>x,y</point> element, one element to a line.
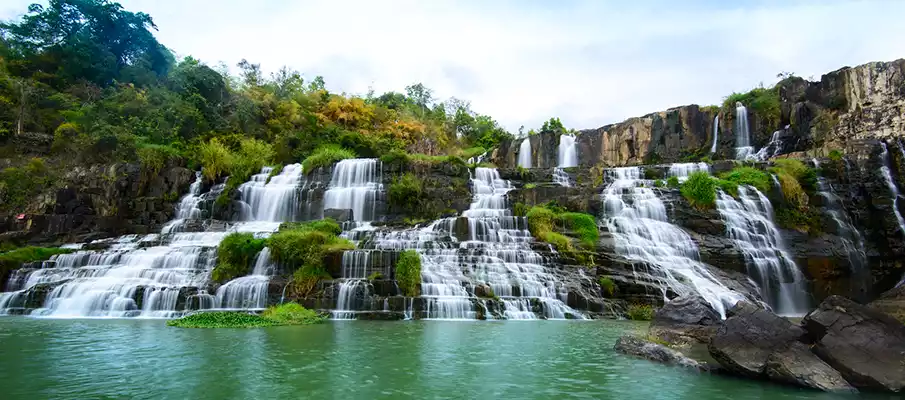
<point>685,320</point>
<point>638,347</point>
<point>749,336</point>
<point>796,365</point>
<point>338,215</point>
<point>865,345</point>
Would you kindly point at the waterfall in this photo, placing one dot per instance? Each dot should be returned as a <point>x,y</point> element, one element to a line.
<point>163,275</point>
<point>772,149</point>
<point>637,219</point>
<point>749,222</point>
<point>248,292</point>
<point>276,200</point>
<point>355,185</point>
<point>682,170</point>
<point>891,183</point>
<point>716,132</point>
<point>743,148</point>
<point>567,157</point>
<point>852,241</point>
<point>524,154</point>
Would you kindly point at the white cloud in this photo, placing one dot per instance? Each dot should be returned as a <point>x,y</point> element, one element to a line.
<point>588,62</point>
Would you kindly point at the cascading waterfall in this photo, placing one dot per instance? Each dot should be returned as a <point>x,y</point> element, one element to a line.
<point>772,149</point>
<point>682,170</point>
<point>852,241</point>
<point>749,222</point>
<point>165,275</point>
<point>355,185</point>
<point>743,148</point>
<point>524,154</point>
<point>716,133</point>
<point>567,157</point>
<point>637,219</point>
<point>891,183</point>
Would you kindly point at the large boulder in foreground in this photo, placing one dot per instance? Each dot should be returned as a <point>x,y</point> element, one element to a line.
<point>638,347</point>
<point>749,336</point>
<point>685,320</point>
<point>798,366</point>
<point>865,345</point>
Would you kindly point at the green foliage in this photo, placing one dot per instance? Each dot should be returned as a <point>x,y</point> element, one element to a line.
<point>154,157</point>
<point>405,193</point>
<point>806,176</point>
<point>530,185</point>
<point>305,244</point>
<point>561,242</point>
<point>14,258</point>
<point>607,285</point>
<point>700,190</point>
<point>395,156</point>
<point>728,186</point>
<point>763,102</point>
<point>408,272</point>
<point>748,176</point>
<point>285,314</point>
<point>792,191</point>
<point>215,159</point>
<point>235,255</point>
<point>807,220</point>
<point>835,155</point>
<point>326,156</point>
<point>640,312</point>
<point>519,209</point>
<point>540,220</point>
<point>672,182</point>
<point>375,276</point>
<point>583,225</point>
<point>553,125</point>
<point>19,184</point>
<point>659,183</point>
<point>274,172</point>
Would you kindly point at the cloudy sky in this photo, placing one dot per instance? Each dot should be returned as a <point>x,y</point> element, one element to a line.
<point>588,62</point>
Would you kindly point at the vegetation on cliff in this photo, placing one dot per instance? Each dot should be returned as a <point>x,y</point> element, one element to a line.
<point>408,272</point>
<point>551,223</point>
<point>700,190</point>
<point>763,102</point>
<point>14,258</point>
<point>303,247</point>
<point>235,256</point>
<point>93,75</point>
<point>797,182</point>
<point>284,314</point>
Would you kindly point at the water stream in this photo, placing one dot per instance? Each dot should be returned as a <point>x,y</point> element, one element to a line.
<point>524,153</point>
<point>743,147</point>
<point>567,156</point>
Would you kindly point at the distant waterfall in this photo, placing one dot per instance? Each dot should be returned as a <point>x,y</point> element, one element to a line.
<point>716,133</point>
<point>682,170</point>
<point>637,219</point>
<point>567,157</point>
<point>743,148</point>
<point>355,185</point>
<point>891,183</point>
<point>524,154</point>
<point>852,241</point>
<point>749,222</point>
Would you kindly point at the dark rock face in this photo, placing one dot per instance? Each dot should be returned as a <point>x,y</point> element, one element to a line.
<point>747,339</point>
<point>638,347</point>
<point>338,215</point>
<point>684,320</point>
<point>798,366</point>
<point>866,346</point>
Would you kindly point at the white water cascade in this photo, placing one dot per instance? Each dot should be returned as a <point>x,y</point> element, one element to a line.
<point>893,188</point>
<point>637,219</point>
<point>682,170</point>
<point>248,292</point>
<point>355,185</point>
<point>743,148</point>
<point>187,208</point>
<point>772,149</point>
<point>267,198</point>
<point>716,133</point>
<point>852,241</point>
<point>749,222</point>
<point>567,157</point>
<point>524,154</point>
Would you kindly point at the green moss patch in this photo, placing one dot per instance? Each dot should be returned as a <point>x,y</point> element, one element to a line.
<point>285,314</point>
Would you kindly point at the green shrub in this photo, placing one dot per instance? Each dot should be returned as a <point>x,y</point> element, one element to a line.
<point>530,185</point>
<point>749,176</point>
<point>375,276</point>
<point>215,159</point>
<point>408,272</point>
<point>519,209</point>
<point>561,242</point>
<point>19,185</point>
<point>700,190</point>
<point>640,312</point>
<point>326,156</point>
<point>472,152</point>
<point>395,156</point>
<point>607,285</point>
<point>540,220</point>
<point>153,157</point>
<point>659,183</point>
<point>835,155</point>
<point>584,226</point>
<point>235,255</point>
<point>727,186</point>
<point>14,258</point>
<point>763,102</point>
<point>672,182</point>
<point>808,221</point>
<point>300,245</point>
<point>285,314</point>
<point>405,193</point>
<point>792,191</point>
<point>806,176</point>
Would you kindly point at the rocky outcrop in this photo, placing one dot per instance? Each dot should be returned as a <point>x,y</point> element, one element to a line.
<point>796,365</point>
<point>685,320</point>
<point>749,336</point>
<point>866,346</point>
<point>635,346</point>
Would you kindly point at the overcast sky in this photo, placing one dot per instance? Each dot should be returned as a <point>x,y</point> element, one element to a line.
<point>588,62</point>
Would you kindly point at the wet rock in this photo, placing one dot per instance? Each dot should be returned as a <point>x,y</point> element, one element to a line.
<point>638,347</point>
<point>339,215</point>
<point>685,320</point>
<point>866,346</point>
<point>749,336</point>
<point>796,365</point>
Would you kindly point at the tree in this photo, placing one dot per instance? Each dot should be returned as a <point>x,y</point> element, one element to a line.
<point>553,125</point>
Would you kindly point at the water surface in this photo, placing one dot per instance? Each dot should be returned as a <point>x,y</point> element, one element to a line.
<point>112,358</point>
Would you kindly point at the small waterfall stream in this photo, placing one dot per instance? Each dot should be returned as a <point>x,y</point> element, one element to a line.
<point>891,183</point>
<point>743,147</point>
<point>248,292</point>
<point>716,133</point>
<point>682,170</point>
<point>524,153</point>
<point>567,156</point>
<point>749,222</point>
<point>276,200</point>
<point>355,185</point>
<point>637,219</point>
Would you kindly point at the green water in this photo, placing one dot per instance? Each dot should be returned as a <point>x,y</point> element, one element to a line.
<point>42,358</point>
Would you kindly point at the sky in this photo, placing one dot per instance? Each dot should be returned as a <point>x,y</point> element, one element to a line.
<point>589,63</point>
